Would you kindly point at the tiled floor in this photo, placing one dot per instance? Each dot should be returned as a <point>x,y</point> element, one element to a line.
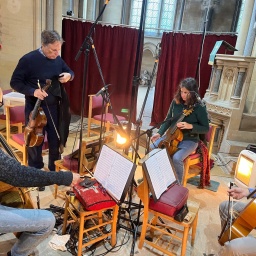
<point>208,227</point>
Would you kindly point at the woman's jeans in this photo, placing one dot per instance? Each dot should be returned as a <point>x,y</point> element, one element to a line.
<point>34,224</point>
<point>185,148</point>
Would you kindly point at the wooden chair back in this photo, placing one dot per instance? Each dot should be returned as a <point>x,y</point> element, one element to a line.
<point>191,163</point>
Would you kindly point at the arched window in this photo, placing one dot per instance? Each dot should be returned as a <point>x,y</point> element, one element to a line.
<point>159,16</point>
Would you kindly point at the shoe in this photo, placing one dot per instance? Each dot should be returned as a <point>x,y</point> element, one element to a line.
<point>41,188</point>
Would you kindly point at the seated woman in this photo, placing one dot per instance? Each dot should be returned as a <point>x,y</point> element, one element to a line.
<point>193,124</point>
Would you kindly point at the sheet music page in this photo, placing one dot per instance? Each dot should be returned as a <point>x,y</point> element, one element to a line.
<point>104,165</point>
<point>119,175</point>
<point>112,171</point>
<point>160,171</point>
<point>166,167</point>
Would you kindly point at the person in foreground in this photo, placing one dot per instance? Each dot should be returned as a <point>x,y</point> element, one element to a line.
<point>34,224</point>
<point>29,77</point>
<point>243,245</point>
<point>191,126</point>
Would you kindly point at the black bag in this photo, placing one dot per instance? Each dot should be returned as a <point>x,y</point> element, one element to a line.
<point>181,214</point>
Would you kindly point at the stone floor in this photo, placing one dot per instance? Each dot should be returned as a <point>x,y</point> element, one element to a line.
<point>208,227</point>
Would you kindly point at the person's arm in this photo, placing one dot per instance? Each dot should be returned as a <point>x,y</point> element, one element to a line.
<point>19,78</point>
<point>15,174</point>
<point>238,193</point>
<point>202,127</point>
<point>67,74</point>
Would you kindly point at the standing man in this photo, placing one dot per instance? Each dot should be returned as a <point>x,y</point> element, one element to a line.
<point>29,77</point>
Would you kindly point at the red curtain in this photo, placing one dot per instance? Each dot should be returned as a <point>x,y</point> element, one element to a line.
<point>116,50</point>
<point>178,60</point>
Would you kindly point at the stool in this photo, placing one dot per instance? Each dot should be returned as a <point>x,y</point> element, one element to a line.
<point>75,213</point>
<point>162,225</point>
<point>85,162</point>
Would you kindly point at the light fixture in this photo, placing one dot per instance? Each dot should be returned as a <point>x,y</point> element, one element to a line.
<point>121,137</point>
<point>245,173</point>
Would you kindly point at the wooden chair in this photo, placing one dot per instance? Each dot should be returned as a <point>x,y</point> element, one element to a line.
<point>94,115</point>
<point>16,115</point>
<point>92,224</point>
<point>162,228</point>
<point>3,116</point>
<point>191,163</point>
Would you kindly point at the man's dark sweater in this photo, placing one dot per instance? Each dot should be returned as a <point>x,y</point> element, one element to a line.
<point>33,67</point>
<point>15,174</point>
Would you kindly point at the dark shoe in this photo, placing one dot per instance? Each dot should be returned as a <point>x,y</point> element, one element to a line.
<point>41,188</point>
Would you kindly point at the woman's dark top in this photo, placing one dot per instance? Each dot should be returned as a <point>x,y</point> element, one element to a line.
<point>198,118</point>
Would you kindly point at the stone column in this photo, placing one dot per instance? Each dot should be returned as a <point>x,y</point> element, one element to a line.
<point>239,83</point>
<point>57,16</point>
<point>251,34</point>
<point>49,14</point>
<point>216,84</point>
<point>242,35</point>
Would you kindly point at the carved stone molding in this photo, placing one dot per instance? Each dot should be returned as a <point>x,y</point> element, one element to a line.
<point>219,110</point>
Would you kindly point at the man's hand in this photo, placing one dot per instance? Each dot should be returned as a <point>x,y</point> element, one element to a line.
<point>76,179</point>
<point>238,193</point>
<point>64,77</point>
<point>40,94</point>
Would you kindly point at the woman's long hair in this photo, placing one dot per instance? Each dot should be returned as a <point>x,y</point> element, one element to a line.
<point>191,85</point>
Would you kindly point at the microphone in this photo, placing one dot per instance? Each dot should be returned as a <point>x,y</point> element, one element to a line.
<point>103,89</point>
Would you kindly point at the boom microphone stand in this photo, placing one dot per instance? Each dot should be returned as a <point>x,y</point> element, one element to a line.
<point>86,47</point>
<point>202,43</point>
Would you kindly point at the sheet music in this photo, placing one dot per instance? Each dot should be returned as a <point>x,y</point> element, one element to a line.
<point>113,171</point>
<point>160,172</point>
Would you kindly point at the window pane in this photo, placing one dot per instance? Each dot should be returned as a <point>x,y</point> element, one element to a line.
<point>159,17</point>
<point>240,17</point>
<point>168,15</point>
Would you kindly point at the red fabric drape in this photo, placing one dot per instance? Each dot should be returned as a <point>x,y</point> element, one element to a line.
<point>116,51</point>
<point>178,60</point>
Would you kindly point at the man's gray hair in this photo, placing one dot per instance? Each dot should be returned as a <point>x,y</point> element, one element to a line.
<point>50,37</point>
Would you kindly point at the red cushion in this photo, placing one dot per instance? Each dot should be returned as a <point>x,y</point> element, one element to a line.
<point>171,201</point>
<point>19,138</point>
<point>193,156</point>
<point>70,163</point>
<point>3,117</point>
<point>7,91</point>
<point>93,198</point>
<point>108,117</point>
<point>97,101</point>
<point>17,114</point>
